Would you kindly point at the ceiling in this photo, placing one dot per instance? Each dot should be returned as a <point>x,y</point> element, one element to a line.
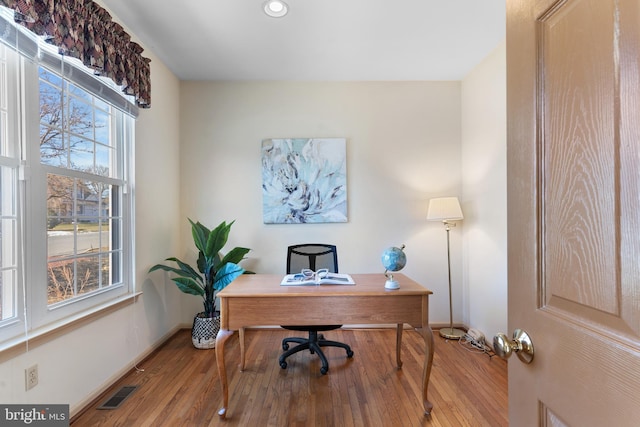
<point>319,40</point>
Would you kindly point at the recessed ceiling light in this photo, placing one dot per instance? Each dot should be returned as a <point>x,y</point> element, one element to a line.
<point>275,8</point>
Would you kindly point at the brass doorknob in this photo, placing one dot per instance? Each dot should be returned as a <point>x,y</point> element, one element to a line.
<point>521,345</point>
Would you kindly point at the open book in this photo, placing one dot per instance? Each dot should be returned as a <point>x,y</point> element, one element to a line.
<point>320,277</point>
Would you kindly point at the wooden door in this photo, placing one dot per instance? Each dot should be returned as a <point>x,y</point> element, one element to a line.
<point>573,105</point>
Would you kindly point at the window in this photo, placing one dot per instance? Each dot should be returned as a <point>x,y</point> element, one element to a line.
<point>10,292</point>
<point>83,208</point>
<point>66,222</point>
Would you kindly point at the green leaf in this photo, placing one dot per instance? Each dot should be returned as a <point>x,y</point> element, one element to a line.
<point>166,268</point>
<point>235,255</point>
<point>216,260</point>
<point>200,235</point>
<point>188,286</point>
<point>161,267</point>
<point>218,238</point>
<point>202,263</point>
<point>185,269</point>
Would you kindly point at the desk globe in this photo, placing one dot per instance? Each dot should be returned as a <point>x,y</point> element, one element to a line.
<point>393,259</point>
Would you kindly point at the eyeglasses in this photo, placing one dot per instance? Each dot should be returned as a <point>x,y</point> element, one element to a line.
<point>307,273</point>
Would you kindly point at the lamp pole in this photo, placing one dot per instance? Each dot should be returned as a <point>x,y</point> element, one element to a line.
<point>450,332</point>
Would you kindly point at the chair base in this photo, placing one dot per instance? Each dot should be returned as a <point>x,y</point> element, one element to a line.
<point>314,344</point>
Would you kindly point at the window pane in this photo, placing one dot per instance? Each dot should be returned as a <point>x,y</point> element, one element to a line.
<point>94,194</point>
<point>115,235</point>
<point>52,149</point>
<point>102,119</point>
<point>101,104</point>
<point>88,274</point>
<point>8,244</point>
<point>7,294</point>
<point>79,117</point>
<point>81,154</point>
<point>50,104</point>
<point>84,241</point>
<point>60,281</point>
<point>51,78</point>
<point>69,278</point>
<point>104,156</point>
<point>76,91</point>
<point>4,132</point>
<point>7,194</point>
<point>4,103</point>
<point>60,222</point>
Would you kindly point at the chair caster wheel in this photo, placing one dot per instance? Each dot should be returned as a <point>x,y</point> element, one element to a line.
<point>283,364</point>
<point>350,354</point>
<point>324,370</point>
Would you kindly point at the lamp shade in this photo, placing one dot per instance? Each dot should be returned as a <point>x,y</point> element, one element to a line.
<point>444,208</point>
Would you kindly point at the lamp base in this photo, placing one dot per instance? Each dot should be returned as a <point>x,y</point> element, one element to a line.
<point>452,333</point>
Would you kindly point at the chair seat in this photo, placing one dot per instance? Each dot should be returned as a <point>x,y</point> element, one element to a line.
<point>311,327</point>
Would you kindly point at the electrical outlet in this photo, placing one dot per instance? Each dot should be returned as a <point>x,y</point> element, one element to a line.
<point>31,377</point>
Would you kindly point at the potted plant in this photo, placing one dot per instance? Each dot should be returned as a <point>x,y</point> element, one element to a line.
<point>214,272</point>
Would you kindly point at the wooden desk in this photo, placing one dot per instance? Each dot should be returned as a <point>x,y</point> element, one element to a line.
<point>254,300</point>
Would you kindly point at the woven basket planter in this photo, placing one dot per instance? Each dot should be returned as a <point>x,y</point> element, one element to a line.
<point>204,331</point>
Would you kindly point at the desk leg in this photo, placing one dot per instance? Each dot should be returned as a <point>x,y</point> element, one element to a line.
<point>242,349</point>
<point>221,338</point>
<point>399,328</point>
<point>427,334</point>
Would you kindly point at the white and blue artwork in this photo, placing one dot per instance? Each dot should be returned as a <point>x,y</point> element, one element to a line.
<point>304,180</point>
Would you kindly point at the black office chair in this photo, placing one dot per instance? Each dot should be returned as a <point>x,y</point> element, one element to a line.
<point>313,256</point>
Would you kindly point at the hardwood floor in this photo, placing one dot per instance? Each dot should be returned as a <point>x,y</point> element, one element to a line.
<point>179,385</point>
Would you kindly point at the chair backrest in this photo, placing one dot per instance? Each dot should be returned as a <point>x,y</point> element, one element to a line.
<point>312,255</point>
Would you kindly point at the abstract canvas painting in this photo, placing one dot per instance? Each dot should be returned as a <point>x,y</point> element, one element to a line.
<point>304,180</point>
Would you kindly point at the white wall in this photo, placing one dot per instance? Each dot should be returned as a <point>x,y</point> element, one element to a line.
<point>484,200</point>
<point>403,147</point>
<point>79,363</point>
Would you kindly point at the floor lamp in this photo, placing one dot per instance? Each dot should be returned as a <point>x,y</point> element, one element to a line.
<point>447,209</point>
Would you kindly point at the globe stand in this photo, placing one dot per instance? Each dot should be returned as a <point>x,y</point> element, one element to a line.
<point>393,259</point>
<point>391,283</point>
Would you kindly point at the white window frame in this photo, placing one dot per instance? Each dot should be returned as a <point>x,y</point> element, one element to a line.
<point>33,314</point>
<point>10,159</point>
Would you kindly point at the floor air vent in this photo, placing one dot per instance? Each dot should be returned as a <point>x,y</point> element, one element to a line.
<point>118,397</point>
